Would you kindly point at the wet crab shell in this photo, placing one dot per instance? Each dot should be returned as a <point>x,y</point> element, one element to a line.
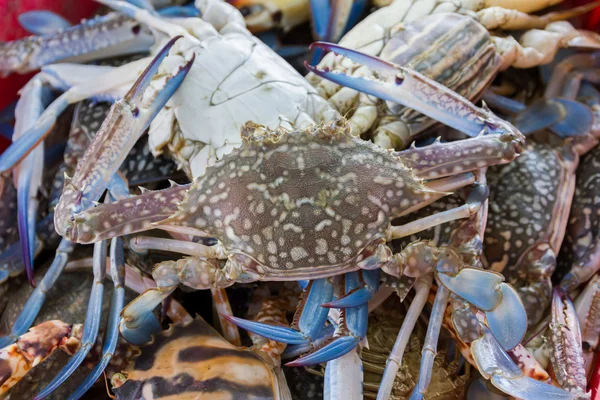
<point>289,204</point>
<point>190,361</point>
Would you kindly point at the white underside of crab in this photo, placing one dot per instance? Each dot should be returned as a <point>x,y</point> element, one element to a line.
<point>235,78</point>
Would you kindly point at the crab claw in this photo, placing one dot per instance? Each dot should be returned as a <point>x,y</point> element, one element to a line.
<point>360,295</point>
<point>494,364</point>
<point>127,120</point>
<point>503,307</point>
<point>402,85</point>
<point>565,336</point>
<point>138,324</point>
<point>42,22</point>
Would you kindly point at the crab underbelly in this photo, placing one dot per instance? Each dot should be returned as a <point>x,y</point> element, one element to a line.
<point>229,86</point>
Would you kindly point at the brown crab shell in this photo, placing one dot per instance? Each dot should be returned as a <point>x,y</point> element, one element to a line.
<point>193,361</point>
<point>301,203</point>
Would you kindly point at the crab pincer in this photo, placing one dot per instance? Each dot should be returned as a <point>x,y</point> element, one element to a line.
<point>126,122</point>
<point>408,87</point>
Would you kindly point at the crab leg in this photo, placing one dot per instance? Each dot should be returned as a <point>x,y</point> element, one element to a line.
<point>566,355</point>
<point>476,198</point>
<point>90,329</point>
<point>359,295</point>
<point>126,122</point>
<point>405,86</point>
<point>117,272</point>
<point>494,364</point>
<point>450,158</point>
<point>125,216</point>
<point>86,86</point>
<point>29,176</point>
<point>350,332</point>
<point>310,321</point>
<point>101,37</point>
<point>37,298</point>
<point>431,340</point>
<point>422,287</point>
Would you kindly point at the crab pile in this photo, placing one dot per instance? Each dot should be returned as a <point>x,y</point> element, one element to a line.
<point>416,217</point>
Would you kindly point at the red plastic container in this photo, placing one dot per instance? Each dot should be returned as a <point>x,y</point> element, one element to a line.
<point>73,10</point>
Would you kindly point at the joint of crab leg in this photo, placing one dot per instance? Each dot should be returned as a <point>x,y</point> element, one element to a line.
<point>565,336</point>
<point>310,317</point>
<point>117,273</point>
<point>295,350</point>
<point>410,88</point>
<point>90,329</point>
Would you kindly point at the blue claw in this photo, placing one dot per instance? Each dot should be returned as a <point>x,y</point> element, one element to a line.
<point>37,298</point>
<point>359,295</point>
<point>311,321</point>
<point>313,317</point>
<point>294,350</point>
<point>42,22</point>
<point>92,322</point>
<point>354,299</point>
<point>149,325</point>
<point>117,271</point>
<point>337,348</point>
<point>273,332</point>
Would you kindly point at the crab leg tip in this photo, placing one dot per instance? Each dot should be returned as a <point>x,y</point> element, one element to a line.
<point>337,348</point>
<point>137,90</point>
<point>273,332</point>
<point>354,299</point>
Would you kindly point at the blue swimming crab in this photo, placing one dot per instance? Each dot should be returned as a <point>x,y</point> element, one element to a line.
<point>250,201</point>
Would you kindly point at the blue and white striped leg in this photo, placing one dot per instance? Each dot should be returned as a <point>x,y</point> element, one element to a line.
<point>37,298</point>
<point>92,322</point>
<point>111,337</point>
